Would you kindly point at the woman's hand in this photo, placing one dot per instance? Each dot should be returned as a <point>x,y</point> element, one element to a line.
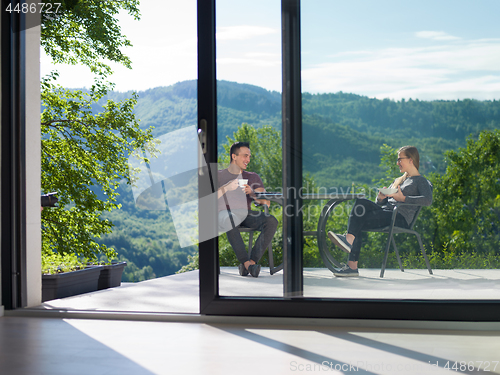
<point>399,197</point>
<point>380,196</point>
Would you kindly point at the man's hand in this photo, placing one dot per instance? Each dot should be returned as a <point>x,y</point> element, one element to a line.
<point>248,190</point>
<point>262,201</point>
<point>230,186</point>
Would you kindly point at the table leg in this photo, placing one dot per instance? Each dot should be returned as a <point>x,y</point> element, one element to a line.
<point>331,263</point>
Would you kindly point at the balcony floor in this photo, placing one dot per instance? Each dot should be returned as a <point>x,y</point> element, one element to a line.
<point>85,335</point>
<point>179,293</point>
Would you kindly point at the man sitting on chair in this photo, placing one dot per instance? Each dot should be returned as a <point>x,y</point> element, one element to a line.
<point>234,199</point>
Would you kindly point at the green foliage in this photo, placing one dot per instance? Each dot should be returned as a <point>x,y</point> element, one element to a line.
<point>388,157</point>
<point>451,260</point>
<point>145,239</point>
<point>419,119</point>
<point>466,206</point>
<point>342,133</point>
<point>265,145</point>
<point>86,32</point>
<point>193,264</point>
<point>56,263</point>
<point>83,153</point>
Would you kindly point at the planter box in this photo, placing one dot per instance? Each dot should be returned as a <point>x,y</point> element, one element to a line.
<point>111,275</point>
<point>72,283</point>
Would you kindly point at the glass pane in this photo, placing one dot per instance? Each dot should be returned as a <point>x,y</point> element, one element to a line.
<point>155,230</point>
<point>377,76</point>
<point>249,110</point>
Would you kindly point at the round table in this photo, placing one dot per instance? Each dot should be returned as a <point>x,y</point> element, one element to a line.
<point>333,200</point>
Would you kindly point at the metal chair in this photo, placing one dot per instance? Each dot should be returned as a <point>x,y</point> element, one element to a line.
<point>272,269</point>
<point>250,231</point>
<point>391,230</point>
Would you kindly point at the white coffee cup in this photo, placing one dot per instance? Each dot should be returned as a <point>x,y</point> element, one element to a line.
<point>242,182</point>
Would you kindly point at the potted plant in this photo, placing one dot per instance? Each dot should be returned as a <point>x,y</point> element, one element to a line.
<point>65,276</point>
<point>111,275</point>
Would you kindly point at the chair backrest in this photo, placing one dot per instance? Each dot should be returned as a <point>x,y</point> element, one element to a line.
<point>415,217</point>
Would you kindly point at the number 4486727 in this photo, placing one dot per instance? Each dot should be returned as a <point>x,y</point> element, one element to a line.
<point>33,8</point>
<point>471,366</point>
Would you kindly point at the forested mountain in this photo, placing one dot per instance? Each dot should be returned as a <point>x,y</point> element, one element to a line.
<point>342,136</point>
<point>342,132</point>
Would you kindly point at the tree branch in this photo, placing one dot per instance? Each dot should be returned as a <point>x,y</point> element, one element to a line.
<point>50,123</point>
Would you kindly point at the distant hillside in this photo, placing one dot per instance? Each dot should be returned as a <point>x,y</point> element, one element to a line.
<point>342,135</point>
<point>173,107</point>
<point>342,132</point>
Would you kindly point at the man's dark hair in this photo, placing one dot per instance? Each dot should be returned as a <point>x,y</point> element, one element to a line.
<point>235,148</point>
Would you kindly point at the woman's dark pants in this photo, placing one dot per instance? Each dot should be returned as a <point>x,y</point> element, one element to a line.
<point>366,215</point>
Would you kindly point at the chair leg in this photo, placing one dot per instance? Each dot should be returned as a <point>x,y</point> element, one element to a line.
<point>387,247</point>
<point>218,266</point>
<point>250,243</point>
<point>272,269</point>
<point>271,259</point>
<point>423,253</point>
<point>397,255</point>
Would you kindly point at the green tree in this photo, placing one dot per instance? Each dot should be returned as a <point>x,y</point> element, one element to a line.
<point>265,144</point>
<point>467,197</point>
<point>84,155</point>
<point>388,156</point>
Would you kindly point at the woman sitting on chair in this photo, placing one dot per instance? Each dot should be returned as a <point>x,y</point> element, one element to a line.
<point>412,188</point>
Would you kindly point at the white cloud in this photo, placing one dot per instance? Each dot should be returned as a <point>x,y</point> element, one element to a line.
<point>461,70</point>
<point>435,35</point>
<point>250,54</point>
<point>243,32</point>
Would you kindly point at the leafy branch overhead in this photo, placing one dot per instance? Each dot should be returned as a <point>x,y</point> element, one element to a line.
<point>86,32</point>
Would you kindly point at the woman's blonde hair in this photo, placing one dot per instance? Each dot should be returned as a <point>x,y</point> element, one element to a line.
<point>410,152</point>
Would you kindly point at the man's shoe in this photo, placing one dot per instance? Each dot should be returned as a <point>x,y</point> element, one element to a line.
<point>254,270</point>
<point>242,269</point>
<point>341,241</point>
<point>346,271</point>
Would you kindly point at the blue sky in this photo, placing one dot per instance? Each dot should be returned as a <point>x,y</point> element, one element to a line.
<point>395,49</point>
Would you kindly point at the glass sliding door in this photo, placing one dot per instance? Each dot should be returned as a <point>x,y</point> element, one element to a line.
<point>337,148</point>
<point>377,76</point>
<point>248,37</point>
<point>148,191</point>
